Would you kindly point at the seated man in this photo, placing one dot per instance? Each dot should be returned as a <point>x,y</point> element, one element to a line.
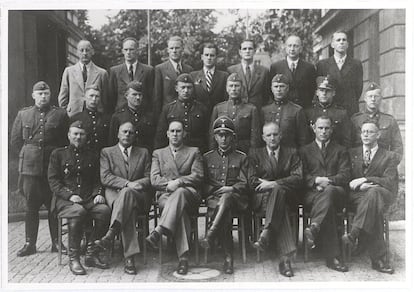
<point>176,174</point>
<point>373,187</point>
<point>74,179</point>
<point>275,176</point>
<point>125,171</point>
<point>226,187</point>
<point>326,169</point>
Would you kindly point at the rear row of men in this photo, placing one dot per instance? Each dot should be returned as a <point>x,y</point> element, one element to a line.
<point>112,189</point>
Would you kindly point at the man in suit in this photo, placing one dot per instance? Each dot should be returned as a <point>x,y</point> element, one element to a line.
<point>346,71</point>
<point>176,174</point>
<point>390,138</point>
<point>78,77</point>
<point>209,83</point>
<point>95,122</point>
<point>374,186</point>
<point>226,171</point>
<point>244,116</point>
<point>289,116</point>
<point>276,177</point>
<point>73,175</point>
<point>135,113</point>
<point>130,70</point>
<point>125,174</point>
<point>255,78</point>
<point>326,168</point>
<point>301,74</point>
<point>36,131</point>
<point>324,106</point>
<point>167,73</point>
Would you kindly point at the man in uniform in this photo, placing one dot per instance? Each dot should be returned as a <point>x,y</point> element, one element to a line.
<point>135,113</point>
<point>324,106</point>
<point>374,186</point>
<point>346,71</point>
<point>191,112</point>
<point>244,116</point>
<point>167,73</point>
<point>300,73</point>
<point>37,130</point>
<point>74,179</point>
<point>176,174</point>
<point>390,138</point>
<point>255,78</point>
<point>276,177</point>
<point>130,70</point>
<point>289,116</point>
<point>95,122</point>
<point>125,174</point>
<point>78,77</point>
<point>226,171</point>
<point>209,82</point>
<point>326,168</point>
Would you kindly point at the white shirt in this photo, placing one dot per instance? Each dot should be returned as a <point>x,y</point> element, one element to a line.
<point>175,150</point>
<point>134,66</point>
<point>128,150</point>
<point>339,61</point>
<point>175,64</point>
<point>211,70</point>
<point>88,66</point>
<point>373,151</point>
<point>289,61</point>
<point>320,143</point>
<point>244,66</point>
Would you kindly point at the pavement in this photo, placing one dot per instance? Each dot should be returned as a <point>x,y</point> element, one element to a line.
<point>43,267</point>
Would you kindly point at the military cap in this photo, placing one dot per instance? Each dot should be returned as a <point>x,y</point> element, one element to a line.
<point>41,85</point>
<point>135,85</point>
<point>280,78</point>
<point>325,82</point>
<point>223,123</point>
<point>372,86</point>
<point>186,78</point>
<point>77,124</point>
<point>234,77</point>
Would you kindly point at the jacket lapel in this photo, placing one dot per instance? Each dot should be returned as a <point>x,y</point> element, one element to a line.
<point>133,163</point>
<point>171,71</point>
<point>139,72</point>
<point>124,74</point>
<point>93,75</point>
<point>257,72</point>
<point>119,159</point>
<point>78,76</point>
<point>376,160</point>
<point>346,66</point>
<point>181,157</point>
<point>170,161</point>
<point>287,69</point>
<point>333,65</point>
<point>267,166</point>
<point>318,152</point>
<point>242,76</point>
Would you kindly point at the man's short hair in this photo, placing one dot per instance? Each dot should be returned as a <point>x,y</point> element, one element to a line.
<point>94,87</point>
<point>271,123</point>
<point>208,45</point>
<point>339,31</point>
<point>248,40</point>
<point>371,121</point>
<point>176,39</point>
<point>294,35</point>
<point>323,117</point>
<point>130,39</point>
<point>177,121</point>
<point>86,41</point>
<point>128,122</point>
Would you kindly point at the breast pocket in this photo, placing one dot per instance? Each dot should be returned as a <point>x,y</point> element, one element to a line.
<point>27,131</point>
<point>245,122</point>
<point>213,170</point>
<point>234,171</point>
<point>269,116</point>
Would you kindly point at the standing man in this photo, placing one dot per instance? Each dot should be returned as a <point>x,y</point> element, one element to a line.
<point>226,171</point>
<point>324,106</point>
<point>37,130</point>
<point>326,168</point>
<point>74,179</point>
<point>125,174</point>
<point>176,174</point>
<point>191,112</point>
<point>209,83</point>
<point>276,177</point>
<point>167,73</point>
<point>346,71</point>
<point>255,78</point>
<point>243,115</point>
<point>78,77</point>
<point>374,187</point>
<point>289,116</point>
<point>122,74</point>
<point>301,74</point>
<point>390,135</point>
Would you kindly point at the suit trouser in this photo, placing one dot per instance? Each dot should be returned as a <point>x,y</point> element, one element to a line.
<point>175,209</point>
<point>369,215</point>
<point>324,206</point>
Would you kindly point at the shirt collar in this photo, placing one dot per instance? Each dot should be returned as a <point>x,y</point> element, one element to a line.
<point>174,63</point>
<point>320,144</point>
<point>223,152</point>
<point>337,59</point>
<point>244,65</point>
<point>175,149</point>
<point>122,149</point>
<point>276,151</point>
<point>134,65</point>
<point>373,150</point>
<point>212,70</point>
<point>290,61</point>
<point>88,66</point>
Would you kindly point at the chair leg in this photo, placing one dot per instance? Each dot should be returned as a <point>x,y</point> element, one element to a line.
<point>257,224</point>
<point>387,240</point>
<point>243,241</point>
<point>305,246</point>
<point>145,231</point>
<point>196,241</point>
<point>60,240</point>
<point>160,250</point>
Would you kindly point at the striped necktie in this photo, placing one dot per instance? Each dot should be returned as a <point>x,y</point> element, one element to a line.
<point>84,74</point>
<point>131,72</point>
<point>209,81</point>
<point>126,158</point>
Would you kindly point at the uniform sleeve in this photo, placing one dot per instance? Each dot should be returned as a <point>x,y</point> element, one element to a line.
<point>105,92</point>
<point>55,178</point>
<point>63,97</point>
<point>302,136</point>
<point>112,92</point>
<point>113,131</point>
<point>161,132</point>
<point>253,173</point>
<point>149,88</point>
<point>62,140</point>
<point>158,90</point>
<point>358,80</point>
<point>211,140</point>
<point>347,129</point>
<point>396,142</point>
<point>255,129</point>
<point>241,186</point>
<point>16,136</point>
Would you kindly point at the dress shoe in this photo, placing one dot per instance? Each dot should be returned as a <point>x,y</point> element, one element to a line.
<point>228,266</point>
<point>336,265</point>
<point>106,240</point>
<point>55,247</point>
<point>153,239</point>
<point>182,267</point>
<point>206,242</point>
<point>347,239</point>
<point>92,258</point>
<point>310,234</point>
<point>285,268</point>
<point>382,267</point>
<point>260,244</point>
<point>28,249</point>
<point>130,266</point>
<point>74,263</point>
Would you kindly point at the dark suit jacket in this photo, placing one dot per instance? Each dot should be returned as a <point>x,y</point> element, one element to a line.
<point>119,79</point>
<point>349,81</point>
<point>257,92</point>
<point>302,84</point>
<point>164,84</point>
<point>218,92</point>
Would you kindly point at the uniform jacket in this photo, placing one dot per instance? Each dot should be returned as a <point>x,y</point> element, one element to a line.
<point>302,83</point>
<point>72,89</point>
<point>119,79</point>
<point>164,83</point>
<point>349,81</point>
<point>36,134</point>
<point>257,91</point>
<point>187,166</point>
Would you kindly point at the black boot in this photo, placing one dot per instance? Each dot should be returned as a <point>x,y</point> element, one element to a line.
<point>92,258</point>
<point>31,229</point>
<point>29,248</point>
<point>75,229</point>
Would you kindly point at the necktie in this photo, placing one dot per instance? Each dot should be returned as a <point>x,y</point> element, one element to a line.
<point>84,73</point>
<point>323,149</point>
<point>248,74</point>
<point>131,72</point>
<point>179,69</point>
<point>209,80</point>
<point>340,63</point>
<point>126,157</point>
<point>367,157</point>
<point>292,67</point>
